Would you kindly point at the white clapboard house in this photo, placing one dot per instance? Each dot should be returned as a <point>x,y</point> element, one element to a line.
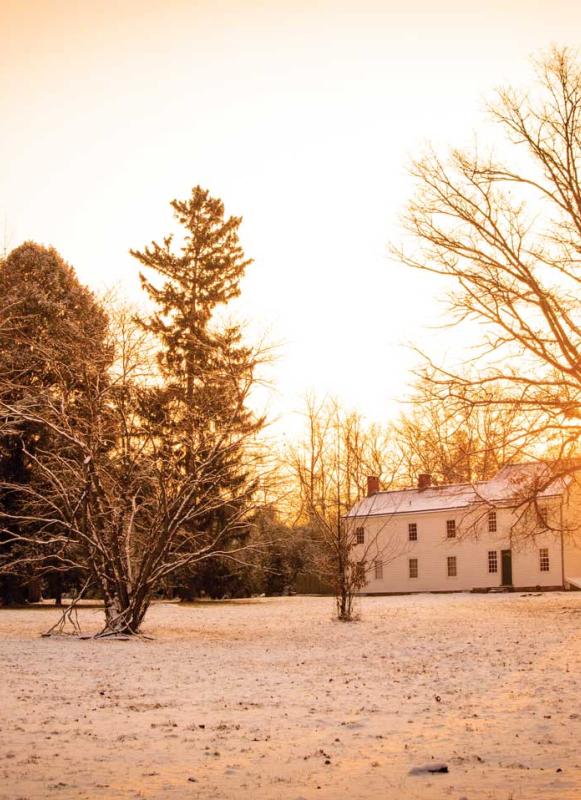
<point>520,530</point>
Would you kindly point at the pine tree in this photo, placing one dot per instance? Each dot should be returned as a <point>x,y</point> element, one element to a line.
<point>52,339</point>
<point>206,371</point>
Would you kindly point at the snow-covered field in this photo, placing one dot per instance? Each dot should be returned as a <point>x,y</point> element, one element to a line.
<point>271,699</point>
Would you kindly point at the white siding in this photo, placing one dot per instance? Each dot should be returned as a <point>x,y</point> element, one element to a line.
<point>471,546</point>
<point>526,568</point>
<point>572,533</point>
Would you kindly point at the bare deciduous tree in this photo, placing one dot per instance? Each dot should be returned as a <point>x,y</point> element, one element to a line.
<point>330,468</point>
<point>113,500</point>
<point>509,237</point>
<point>458,442</point>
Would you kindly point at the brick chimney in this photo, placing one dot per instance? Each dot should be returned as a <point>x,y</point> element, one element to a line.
<point>372,485</point>
<point>424,480</point>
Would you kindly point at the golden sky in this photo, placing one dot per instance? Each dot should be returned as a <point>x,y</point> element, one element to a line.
<point>301,116</point>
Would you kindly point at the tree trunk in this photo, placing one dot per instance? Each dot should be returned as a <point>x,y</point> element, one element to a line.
<point>344,605</point>
<point>58,590</point>
<point>34,591</point>
<point>343,591</point>
<point>124,611</point>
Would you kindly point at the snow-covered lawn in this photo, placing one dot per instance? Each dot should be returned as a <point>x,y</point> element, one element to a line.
<point>271,699</point>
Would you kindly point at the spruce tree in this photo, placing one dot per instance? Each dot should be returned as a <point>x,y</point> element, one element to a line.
<point>53,341</point>
<point>206,370</point>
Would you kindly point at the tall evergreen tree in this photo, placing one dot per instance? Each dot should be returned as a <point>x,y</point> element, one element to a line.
<point>206,370</point>
<point>52,339</point>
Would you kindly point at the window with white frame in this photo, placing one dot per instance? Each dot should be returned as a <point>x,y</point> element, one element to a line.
<point>492,521</point>
<point>378,569</point>
<point>413,532</point>
<point>360,536</point>
<point>492,561</point>
<point>452,567</point>
<point>544,563</point>
<point>360,573</point>
<point>413,567</point>
<point>451,528</point>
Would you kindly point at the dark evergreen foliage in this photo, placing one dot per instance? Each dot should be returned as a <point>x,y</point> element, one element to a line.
<point>52,339</point>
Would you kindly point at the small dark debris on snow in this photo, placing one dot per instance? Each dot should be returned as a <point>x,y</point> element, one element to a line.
<point>429,769</point>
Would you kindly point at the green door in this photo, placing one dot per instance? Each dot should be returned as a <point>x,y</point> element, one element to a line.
<point>506,568</point>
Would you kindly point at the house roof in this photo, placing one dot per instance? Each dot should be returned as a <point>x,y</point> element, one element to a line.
<point>513,484</point>
<point>517,482</point>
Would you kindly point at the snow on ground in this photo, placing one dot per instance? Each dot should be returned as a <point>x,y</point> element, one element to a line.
<point>271,698</point>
